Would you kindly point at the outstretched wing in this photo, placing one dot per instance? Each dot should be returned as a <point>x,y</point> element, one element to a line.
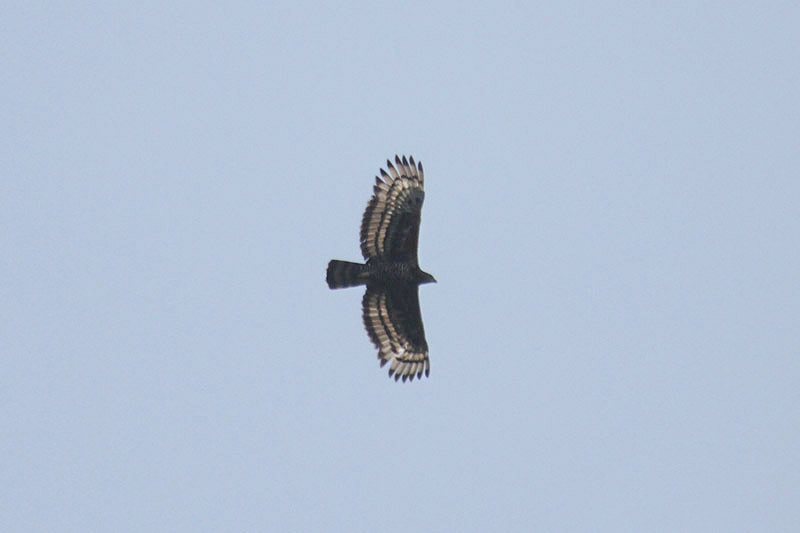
<point>390,225</point>
<point>394,324</point>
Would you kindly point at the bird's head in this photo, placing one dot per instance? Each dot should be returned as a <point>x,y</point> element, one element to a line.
<point>426,278</point>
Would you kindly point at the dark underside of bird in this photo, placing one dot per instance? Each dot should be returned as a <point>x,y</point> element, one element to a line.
<point>391,273</point>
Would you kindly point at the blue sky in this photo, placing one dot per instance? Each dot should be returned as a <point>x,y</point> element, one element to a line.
<point>612,213</point>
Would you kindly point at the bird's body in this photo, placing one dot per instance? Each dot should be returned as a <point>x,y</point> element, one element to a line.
<point>389,236</point>
<point>346,274</point>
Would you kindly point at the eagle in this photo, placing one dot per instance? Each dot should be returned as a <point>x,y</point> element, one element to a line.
<point>389,235</point>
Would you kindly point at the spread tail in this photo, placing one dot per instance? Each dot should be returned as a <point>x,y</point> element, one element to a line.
<point>343,274</point>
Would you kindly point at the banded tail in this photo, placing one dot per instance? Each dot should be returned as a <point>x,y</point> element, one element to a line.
<point>343,274</point>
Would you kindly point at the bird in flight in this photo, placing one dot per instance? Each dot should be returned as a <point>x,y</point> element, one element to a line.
<point>389,235</point>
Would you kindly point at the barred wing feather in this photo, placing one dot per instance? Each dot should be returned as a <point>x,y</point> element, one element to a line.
<point>390,225</point>
<point>394,324</point>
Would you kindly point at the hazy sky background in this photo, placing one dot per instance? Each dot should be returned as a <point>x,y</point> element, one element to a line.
<point>612,212</point>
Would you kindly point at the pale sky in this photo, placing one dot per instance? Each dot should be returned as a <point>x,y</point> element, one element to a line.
<point>612,214</point>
